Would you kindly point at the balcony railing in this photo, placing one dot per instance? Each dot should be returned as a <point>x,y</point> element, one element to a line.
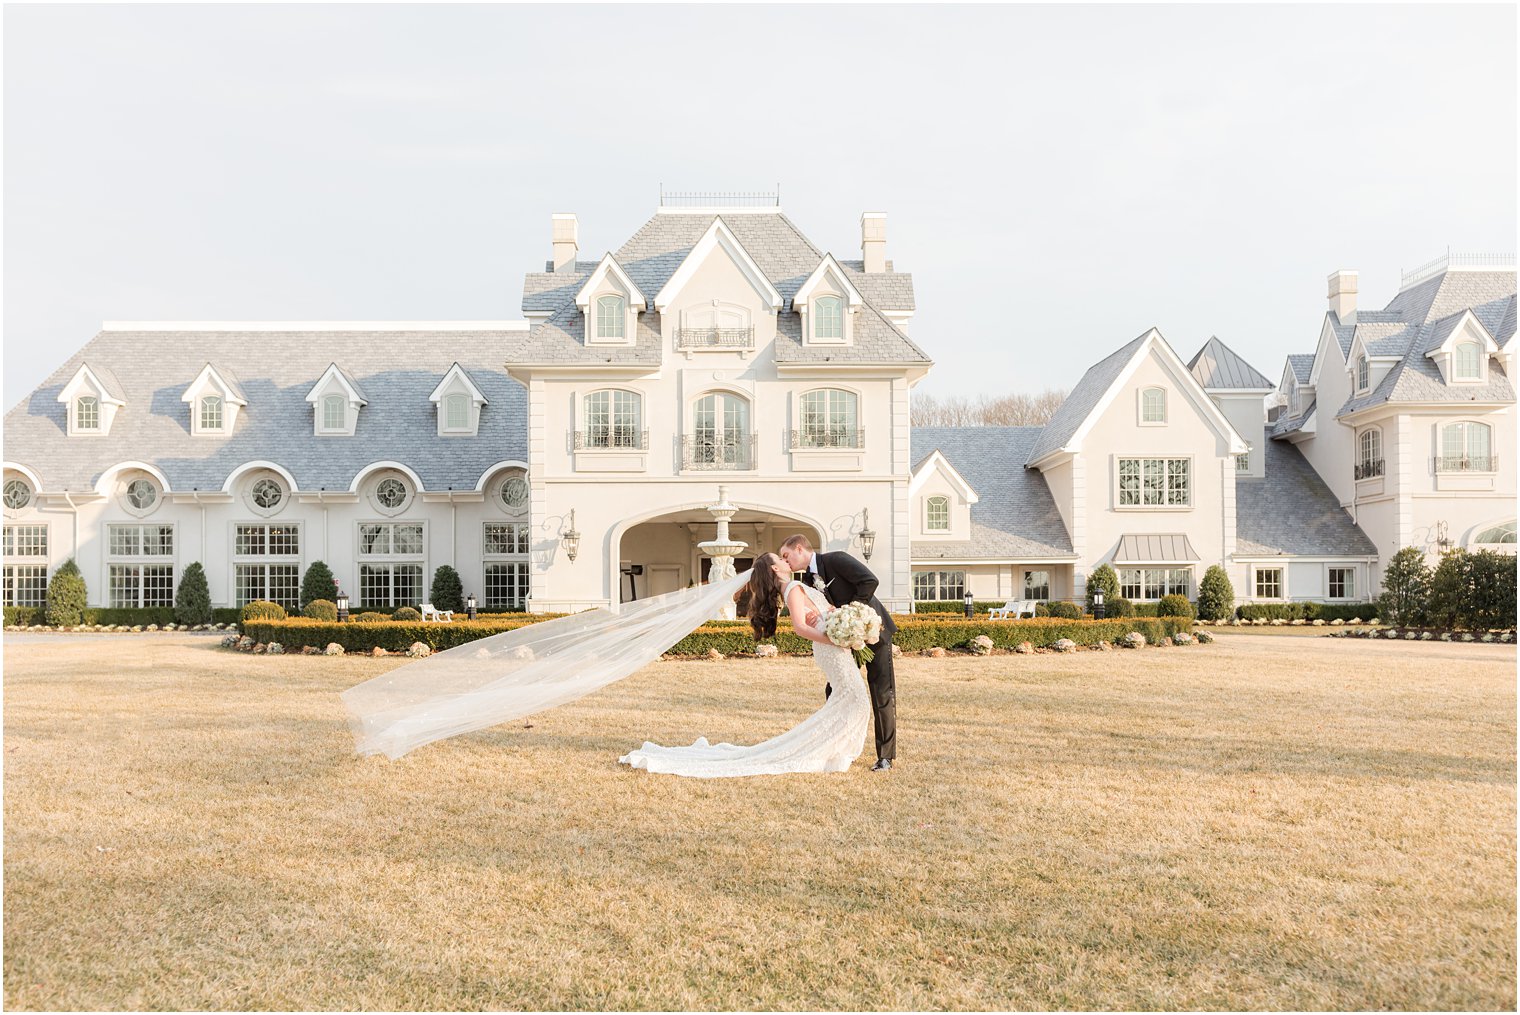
<point>1370,469</point>
<point>718,453</point>
<point>715,338</point>
<point>614,438</point>
<point>1466,463</point>
<point>829,437</point>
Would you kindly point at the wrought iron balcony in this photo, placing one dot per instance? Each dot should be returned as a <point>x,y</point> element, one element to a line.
<point>826,437</point>
<point>715,338</point>
<point>727,453</point>
<point>1370,469</point>
<point>612,438</point>
<point>1467,463</point>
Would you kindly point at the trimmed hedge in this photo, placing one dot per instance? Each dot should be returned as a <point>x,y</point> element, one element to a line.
<point>728,637</point>
<point>321,609</point>
<point>262,609</point>
<point>1306,611</point>
<point>955,606</point>
<point>123,616</point>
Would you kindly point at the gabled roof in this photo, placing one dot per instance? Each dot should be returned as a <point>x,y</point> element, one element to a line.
<point>718,237</point>
<point>223,378</point>
<point>347,383</point>
<point>935,461</point>
<point>1098,387</point>
<point>1286,424</point>
<point>609,266</point>
<point>1302,365</point>
<point>1290,510</point>
<point>99,377</point>
<point>826,267</point>
<point>1015,516</point>
<point>459,372</point>
<point>1217,367</point>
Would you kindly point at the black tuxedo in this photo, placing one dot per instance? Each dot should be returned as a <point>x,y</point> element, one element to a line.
<point>847,580</point>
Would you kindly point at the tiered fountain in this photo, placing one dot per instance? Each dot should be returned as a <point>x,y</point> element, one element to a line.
<point>723,549</point>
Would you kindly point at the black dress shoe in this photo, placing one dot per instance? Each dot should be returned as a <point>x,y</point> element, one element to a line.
<point>882,765</point>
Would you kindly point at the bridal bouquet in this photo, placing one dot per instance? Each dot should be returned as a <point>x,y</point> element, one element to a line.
<point>854,626</point>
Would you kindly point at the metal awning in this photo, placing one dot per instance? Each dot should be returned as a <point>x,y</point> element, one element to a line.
<point>1159,549</point>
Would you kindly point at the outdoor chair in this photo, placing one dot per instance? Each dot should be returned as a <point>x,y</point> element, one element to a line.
<point>1017,607</point>
<point>429,612</point>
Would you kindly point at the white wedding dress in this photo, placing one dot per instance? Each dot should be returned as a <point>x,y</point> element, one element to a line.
<point>829,740</point>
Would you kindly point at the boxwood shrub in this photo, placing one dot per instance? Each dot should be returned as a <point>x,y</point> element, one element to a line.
<point>1306,611</point>
<point>392,635</point>
<point>955,606</point>
<point>125,616</point>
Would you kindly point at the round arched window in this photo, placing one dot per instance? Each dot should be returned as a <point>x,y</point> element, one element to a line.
<point>514,493</point>
<point>142,494</point>
<point>391,493</point>
<point>17,494</point>
<point>267,494</point>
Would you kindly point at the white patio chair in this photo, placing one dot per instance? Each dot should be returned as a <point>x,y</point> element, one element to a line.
<point>441,616</point>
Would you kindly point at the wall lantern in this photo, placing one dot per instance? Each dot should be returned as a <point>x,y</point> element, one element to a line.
<point>342,607</point>
<point>1443,541</point>
<point>867,536</point>
<point>571,539</point>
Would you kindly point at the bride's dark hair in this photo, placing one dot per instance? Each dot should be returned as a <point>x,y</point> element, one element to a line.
<point>764,596</point>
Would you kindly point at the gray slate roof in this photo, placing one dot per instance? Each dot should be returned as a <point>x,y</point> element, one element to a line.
<point>1082,400</point>
<point>1015,515</point>
<point>1292,424</point>
<point>398,371</point>
<point>1292,511</point>
<point>1218,367</point>
<point>654,253</point>
<point>1302,365</point>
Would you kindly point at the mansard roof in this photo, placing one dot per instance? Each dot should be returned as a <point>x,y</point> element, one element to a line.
<point>1291,511</point>
<point>276,368</point>
<point>1015,515</point>
<point>656,252</point>
<point>1217,367</point>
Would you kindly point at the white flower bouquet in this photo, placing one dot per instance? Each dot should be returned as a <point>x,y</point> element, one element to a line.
<point>854,626</point>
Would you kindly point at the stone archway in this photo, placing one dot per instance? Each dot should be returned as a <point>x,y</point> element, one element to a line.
<point>652,556</point>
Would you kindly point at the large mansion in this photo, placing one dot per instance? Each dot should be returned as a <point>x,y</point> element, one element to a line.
<point>568,460</point>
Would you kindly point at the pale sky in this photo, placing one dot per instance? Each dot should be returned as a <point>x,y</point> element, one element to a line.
<point>1057,180</point>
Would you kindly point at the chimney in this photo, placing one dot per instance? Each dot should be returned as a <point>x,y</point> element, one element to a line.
<point>873,241</point>
<point>565,228</point>
<point>1343,295</point>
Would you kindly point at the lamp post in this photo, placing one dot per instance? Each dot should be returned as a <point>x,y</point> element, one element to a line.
<point>867,534</point>
<point>342,607</point>
<point>469,606</point>
<point>970,605</point>
<point>1098,604</point>
<point>570,539</point>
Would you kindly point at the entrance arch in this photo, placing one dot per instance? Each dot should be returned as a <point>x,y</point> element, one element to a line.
<point>657,553</point>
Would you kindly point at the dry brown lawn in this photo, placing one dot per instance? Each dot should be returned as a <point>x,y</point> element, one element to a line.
<point>1256,824</point>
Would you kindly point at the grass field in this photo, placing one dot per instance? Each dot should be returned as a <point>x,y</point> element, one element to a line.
<point>1261,823</point>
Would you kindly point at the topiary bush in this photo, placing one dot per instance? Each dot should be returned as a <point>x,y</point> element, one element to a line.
<point>318,583</point>
<point>407,613</point>
<point>448,591</point>
<point>261,609</point>
<point>1102,577</point>
<point>1216,596</point>
<point>1062,610</point>
<point>1174,606</point>
<point>321,609</point>
<point>372,617</point>
<point>66,595</point>
<point>1406,588</point>
<point>192,600</point>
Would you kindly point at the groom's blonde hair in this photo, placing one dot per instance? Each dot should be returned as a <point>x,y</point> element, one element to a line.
<point>797,542</point>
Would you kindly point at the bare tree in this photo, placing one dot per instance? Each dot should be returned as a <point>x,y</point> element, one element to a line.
<point>1019,409</point>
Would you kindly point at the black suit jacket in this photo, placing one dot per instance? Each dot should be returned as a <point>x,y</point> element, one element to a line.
<point>850,581</point>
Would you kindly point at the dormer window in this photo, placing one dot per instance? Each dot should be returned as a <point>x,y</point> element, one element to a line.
<point>611,313</point>
<point>828,318</point>
<point>1363,373</point>
<point>87,413</point>
<point>937,514</point>
<point>456,412</point>
<point>91,399</point>
<point>334,411</point>
<point>211,412</point>
<point>214,398</point>
<point>1152,406</point>
<point>459,402</point>
<point>1467,364</point>
<point>335,401</point>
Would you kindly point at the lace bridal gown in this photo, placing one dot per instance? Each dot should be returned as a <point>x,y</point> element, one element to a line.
<point>829,740</point>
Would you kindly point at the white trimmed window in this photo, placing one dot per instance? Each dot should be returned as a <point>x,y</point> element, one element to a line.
<point>506,567</point>
<point>1341,582</point>
<point>611,317</point>
<point>941,586</point>
<point>211,412</point>
<point>1143,583</point>
<point>1467,363</point>
<point>829,419</point>
<point>267,564</point>
<point>1153,406</point>
<point>87,413</point>
<point>1363,373</point>
<point>391,564</point>
<point>612,419</point>
<point>1155,482</point>
<point>828,318</point>
<point>137,570</point>
<point>721,440</point>
<point>26,573</point>
<point>18,494</point>
<point>937,514</point>
<point>514,493</point>
<point>141,495</point>
<point>1466,447</point>
<point>334,413</point>
<point>1243,462</point>
<point>1269,583</point>
<point>1037,585</point>
<point>456,412</point>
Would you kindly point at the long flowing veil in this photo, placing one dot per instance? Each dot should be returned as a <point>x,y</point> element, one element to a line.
<point>518,673</point>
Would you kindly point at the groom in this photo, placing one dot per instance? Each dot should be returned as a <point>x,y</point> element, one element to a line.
<point>846,580</point>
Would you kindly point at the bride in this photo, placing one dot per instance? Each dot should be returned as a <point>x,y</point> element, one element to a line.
<point>829,740</point>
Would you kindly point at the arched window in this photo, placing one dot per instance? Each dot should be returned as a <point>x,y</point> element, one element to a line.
<point>211,412</point>
<point>722,438</point>
<point>87,413</point>
<point>1369,454</point>
<point>610,316</point>
<point>937,514</point>
<point>612,420</point>
<point>829,419</point>
<point>334,412</point>
<point>1465,447</point>
<point>828,317</point>
<point>1468,362</point>
<point>1363,374</point>
<point>456,412</point>
<point>1502,534</point>
<point>1153,405</point>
